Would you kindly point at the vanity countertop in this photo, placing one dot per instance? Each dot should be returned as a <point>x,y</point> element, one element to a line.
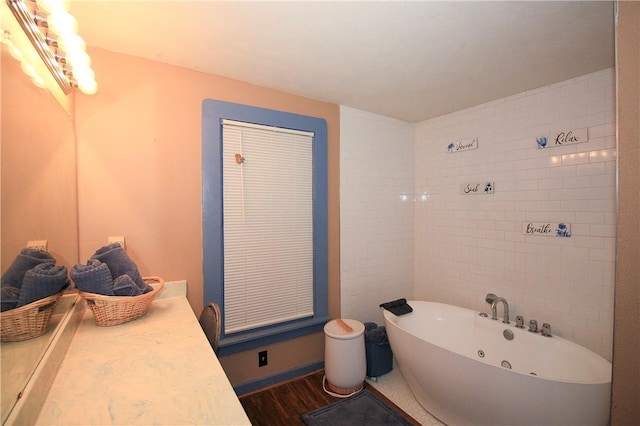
<point>159,369</point>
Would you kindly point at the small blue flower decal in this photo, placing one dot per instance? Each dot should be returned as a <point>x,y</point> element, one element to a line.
<point>542,141</point>
<point>450,147</point>
<point>563,230</point>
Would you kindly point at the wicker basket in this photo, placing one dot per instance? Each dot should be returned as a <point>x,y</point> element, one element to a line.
<point>28,321</point>
<point>114,310</point>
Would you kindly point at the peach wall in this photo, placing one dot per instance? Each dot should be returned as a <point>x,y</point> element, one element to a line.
<point>139,174</point>
<point>139,159</point>
<point>625,409</point>
<point>38,169</point>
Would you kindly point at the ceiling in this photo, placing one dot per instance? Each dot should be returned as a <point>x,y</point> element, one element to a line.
<point>407,60</point>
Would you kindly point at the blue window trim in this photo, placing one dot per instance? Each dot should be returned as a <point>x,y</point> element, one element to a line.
<point>213,112</point>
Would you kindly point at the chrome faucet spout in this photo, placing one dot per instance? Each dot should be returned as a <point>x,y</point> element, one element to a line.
<point>494,309</point>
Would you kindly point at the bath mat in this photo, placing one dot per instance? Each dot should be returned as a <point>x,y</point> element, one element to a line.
<point>364,408</point>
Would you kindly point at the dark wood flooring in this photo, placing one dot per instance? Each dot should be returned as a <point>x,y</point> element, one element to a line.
<point>282,404</point>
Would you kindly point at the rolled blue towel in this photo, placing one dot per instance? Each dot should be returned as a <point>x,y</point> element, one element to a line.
<point>27,259</point>
<point>9,298</point>
<point>368,326</point>
<point>377,336</point>
<point>94,277</point>
<point>119,263</point>
<point>125,286</point>
<point>45,280</point>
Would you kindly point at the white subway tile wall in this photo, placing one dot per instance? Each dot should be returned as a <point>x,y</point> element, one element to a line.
<point>406,231</point>
<point>468,246</point>
<point>376,212</point>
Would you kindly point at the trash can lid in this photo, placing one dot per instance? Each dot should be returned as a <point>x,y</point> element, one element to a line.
<point>335,330</point>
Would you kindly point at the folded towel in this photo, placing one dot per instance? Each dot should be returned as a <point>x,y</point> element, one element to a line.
<point>368,326</point>
<point>397,307</point>
<point>94,277</point>
<point>119,263</point>
<point>125,286</point>
<point>45,280</point>
<point>377,336</point>
<point>27,259</point>
<point>9,298</point>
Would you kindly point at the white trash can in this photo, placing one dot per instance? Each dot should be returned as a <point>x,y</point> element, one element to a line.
<point>345,362</point>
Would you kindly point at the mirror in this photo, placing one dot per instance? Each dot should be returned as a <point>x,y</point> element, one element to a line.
<point>39,201</point>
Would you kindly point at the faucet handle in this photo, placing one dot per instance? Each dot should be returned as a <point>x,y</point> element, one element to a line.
<point>520,321</point>
<point>533,326</point>
<point>546,329</point>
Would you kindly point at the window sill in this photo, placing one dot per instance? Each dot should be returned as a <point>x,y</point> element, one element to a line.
<point>246,341</point>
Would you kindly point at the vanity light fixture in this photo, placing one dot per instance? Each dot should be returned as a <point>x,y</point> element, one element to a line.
<point>53,32</point>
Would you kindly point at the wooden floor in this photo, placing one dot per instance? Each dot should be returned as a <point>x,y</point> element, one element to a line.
<point>283,404</point>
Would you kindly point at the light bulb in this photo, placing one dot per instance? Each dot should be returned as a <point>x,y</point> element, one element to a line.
<point>15,52</point>
<point>79,60</point>
<point>38,81</point>
<point>28,69</point>
<point>83,73</point>
<point>88,87</point>
<point>62,23</point>
<point>72,43</point>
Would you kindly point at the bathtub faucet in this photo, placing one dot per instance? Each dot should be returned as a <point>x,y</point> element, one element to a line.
<point>494,300</point>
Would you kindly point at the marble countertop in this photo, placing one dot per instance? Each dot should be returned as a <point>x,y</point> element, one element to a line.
<point>159,369</point>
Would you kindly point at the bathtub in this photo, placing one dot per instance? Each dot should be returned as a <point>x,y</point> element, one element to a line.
<point>463,370</point>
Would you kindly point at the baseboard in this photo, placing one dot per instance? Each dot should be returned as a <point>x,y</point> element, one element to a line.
<point>264,382</point>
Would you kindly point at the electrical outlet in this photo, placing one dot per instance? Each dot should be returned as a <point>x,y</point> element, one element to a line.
<point>262,358</point>
<point>119,240</point>
<point>38,245</point>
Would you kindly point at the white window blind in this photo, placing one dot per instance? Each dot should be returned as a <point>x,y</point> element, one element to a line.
<point>268,225</point>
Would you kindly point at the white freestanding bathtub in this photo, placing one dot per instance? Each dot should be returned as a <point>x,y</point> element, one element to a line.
<point>463,370</point>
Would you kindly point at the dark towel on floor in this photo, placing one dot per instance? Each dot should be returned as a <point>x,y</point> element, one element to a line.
<point>9,297</point>
<point>124,286</point>
<point>27,259</point>
<point>44,280</point>
<point>119,263</point>
<point>94,277</point>
<point>397,307</point>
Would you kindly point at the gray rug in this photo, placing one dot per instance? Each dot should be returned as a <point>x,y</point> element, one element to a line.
<point>364,408</point>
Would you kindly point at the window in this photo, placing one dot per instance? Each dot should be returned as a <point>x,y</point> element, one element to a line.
<point>268,225</point>
<point>264,223</point>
